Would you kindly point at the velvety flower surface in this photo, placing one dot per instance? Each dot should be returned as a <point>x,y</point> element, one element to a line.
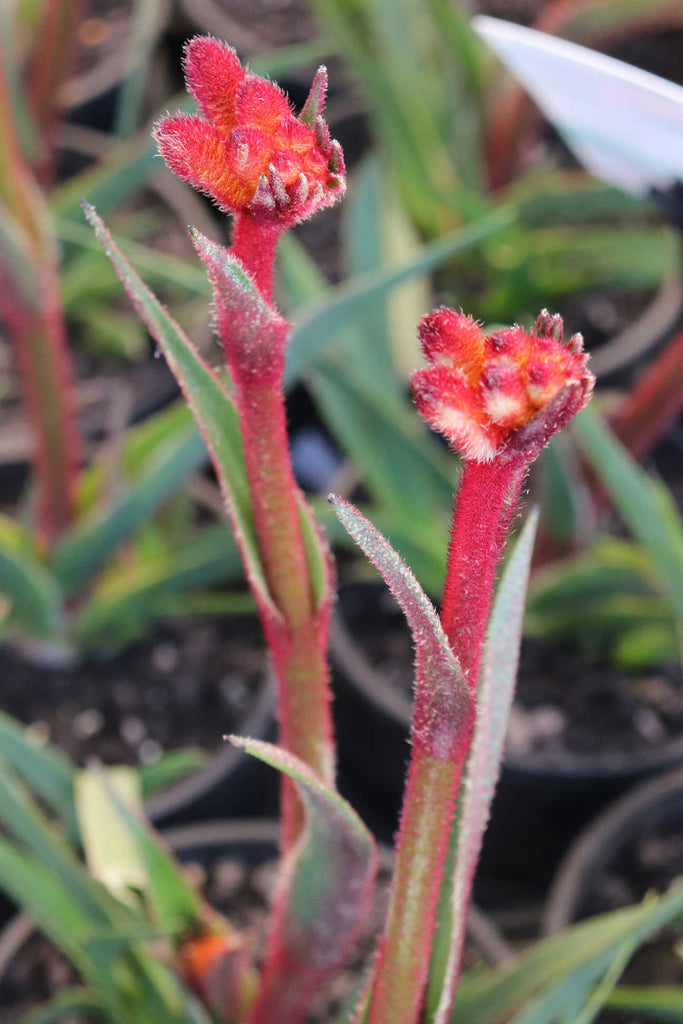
<point>504,393</point>
<point>246,149</point>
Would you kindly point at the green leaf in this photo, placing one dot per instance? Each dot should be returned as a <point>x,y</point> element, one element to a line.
<point>212,407</point>
<point>646,507</point>
<point>73,1001</point>
<point>579,998</point>
<point>176,905</point>
<point>329,881</point>
<point>322,320</point>
<point>22,818</point>
<point>587,947</point>
<point>143,36</point>
<point>607,601</point>
<point>399,462</point>
<point>110,852</point>
<point>128,601</point>
<point>662,1004</point>
<point>47,770</point>
<point>566,500</point>
<point>363,254</point>
<point>171,767</point>
<point>35,888</point>
<point>439,681</point>
<point>87,546</point>
<point>35,597</point>
<point>494,699</point>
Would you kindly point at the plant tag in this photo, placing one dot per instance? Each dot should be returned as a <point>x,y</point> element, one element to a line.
<point>624,125</point>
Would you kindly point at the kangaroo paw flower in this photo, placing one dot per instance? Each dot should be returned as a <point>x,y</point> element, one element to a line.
<point>501,395</point>
<point>246,149</point>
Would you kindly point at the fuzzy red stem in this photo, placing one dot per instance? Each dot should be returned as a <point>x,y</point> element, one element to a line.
<point>287,996</point>
<point>254,244</point>
<point>299,643</point>
<point>483,509</point>
<point>304,707</point>
<point>403,954</point>
<point>273,494</point>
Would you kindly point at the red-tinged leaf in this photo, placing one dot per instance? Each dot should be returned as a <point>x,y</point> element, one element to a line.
<point>442,699</point>
<point>496,689</point>
<point>253,334</point>
<point>210,403</point>
<point>323,898</point>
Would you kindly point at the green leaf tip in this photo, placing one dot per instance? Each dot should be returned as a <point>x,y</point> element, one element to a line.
<point>443,702</point>
<point>327,884</point>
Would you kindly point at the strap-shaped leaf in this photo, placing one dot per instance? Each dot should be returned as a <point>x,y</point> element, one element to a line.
<point>86,548</point>
<point>125,604</point>
<point>212,407</point>
<point>662,1004</point>
<point>322,320</point>
<point>586,948</point>
<point>176,905</point>
<point>109,850</point>
<point>262,331</point>
<point>324,894</point>
<point>645,506</point>
<point>443,701</point>
<point>35,597</point>
<point>494,698</point>
<point>48,771</point>
<point>72,1002</point>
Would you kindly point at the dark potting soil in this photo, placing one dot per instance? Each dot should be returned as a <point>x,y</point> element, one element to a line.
<point>187,685</point>
<point>564,704</point>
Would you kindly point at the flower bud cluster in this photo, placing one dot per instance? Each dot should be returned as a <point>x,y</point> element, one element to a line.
<point>246,149</point>
<point>502,394</point>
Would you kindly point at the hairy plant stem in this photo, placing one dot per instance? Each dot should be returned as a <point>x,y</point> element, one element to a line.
<point>298,642</point>
<point>483,509</point>
<point>403,953</point>
<point>484,506</point>
<point>254,244</point>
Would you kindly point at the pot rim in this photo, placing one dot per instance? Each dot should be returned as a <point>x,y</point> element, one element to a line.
<point>596,843</point>
<point>182,795</point>
<point>349,658</point>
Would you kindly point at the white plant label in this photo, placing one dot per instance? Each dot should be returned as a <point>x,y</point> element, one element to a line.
<point>625,125</point>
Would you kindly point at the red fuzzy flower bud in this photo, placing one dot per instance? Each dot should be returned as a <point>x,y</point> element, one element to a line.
<point>246,149</point>
<point>503,394</point>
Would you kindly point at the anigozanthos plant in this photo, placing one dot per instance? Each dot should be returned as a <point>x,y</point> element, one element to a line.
<point>270,169</point>
<point>497,399</point>
<point>248,151</point>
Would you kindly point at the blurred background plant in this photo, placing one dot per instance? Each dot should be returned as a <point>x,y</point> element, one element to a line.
<point>507,228</point>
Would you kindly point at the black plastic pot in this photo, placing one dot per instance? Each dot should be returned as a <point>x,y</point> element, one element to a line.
<point>232,784</point>
<point>540,804</point>
<point>605,850</point>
